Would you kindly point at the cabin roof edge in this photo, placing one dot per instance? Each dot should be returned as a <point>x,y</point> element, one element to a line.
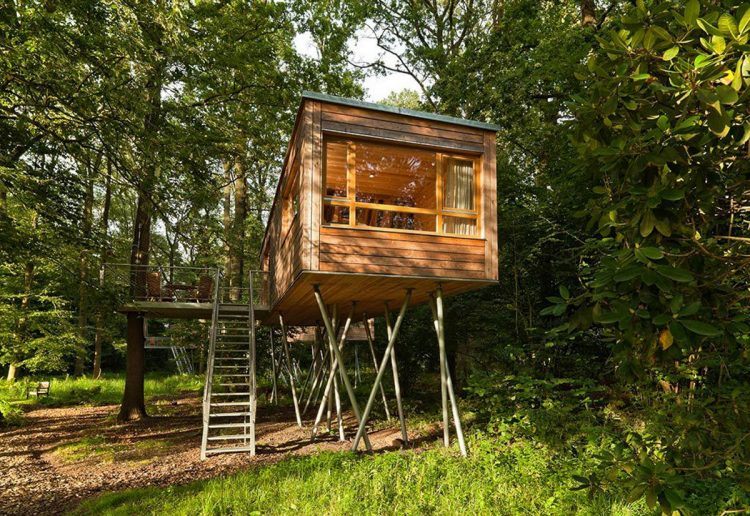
<point>323,97</point>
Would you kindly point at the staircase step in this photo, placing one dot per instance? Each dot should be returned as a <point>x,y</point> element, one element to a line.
<point>231,366</point>
<point>228,403</point>
<point>238,449</point>
<point>231,414</point>
<point>228,437</point>
<point>230,425</point>
<point>230,394</point>
<point>229,359</point>
<point>233,384</point>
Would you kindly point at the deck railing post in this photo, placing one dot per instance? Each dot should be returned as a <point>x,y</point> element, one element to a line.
<point>381,371</point>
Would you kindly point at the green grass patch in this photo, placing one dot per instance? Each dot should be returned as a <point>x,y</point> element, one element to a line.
<point>103,450</point>
<point>103,391</point>
<point>496,479</point>
<point>86,391</point>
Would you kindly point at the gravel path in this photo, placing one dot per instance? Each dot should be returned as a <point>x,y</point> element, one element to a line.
<point>40,478</point>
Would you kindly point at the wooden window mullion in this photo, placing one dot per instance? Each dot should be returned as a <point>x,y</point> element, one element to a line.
<point>439,186</point>
<point>351,187</point>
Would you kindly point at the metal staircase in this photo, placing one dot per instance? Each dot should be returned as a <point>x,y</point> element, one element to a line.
<point>229,397</point>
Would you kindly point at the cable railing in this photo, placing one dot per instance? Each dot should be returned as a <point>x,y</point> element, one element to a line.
<point>178,284</point>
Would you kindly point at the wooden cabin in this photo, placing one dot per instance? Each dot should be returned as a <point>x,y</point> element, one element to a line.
<point>373,200</point>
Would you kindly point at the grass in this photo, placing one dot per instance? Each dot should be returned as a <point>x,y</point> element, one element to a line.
<point>522,477</point>
<point>86,391</point>
<point>102,450</point>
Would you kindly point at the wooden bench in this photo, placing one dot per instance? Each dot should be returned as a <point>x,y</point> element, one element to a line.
<point>41,389</point>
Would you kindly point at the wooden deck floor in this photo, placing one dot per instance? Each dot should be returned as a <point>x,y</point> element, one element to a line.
<point>182,310</point>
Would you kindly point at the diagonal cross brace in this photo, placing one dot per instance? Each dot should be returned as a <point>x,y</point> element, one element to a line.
<point>338,361</point>
<point>381,371</point>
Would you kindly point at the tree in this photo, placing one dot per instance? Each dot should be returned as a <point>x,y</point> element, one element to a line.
<point>663,130</point>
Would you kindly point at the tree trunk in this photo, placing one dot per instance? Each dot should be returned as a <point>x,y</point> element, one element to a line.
<point>588,12</point>
<point>104,228</point>
<point>83,265</point>
<point>12,372</point>
<point>227,219</point>
<point>240,216</point>
<point>133,402</point>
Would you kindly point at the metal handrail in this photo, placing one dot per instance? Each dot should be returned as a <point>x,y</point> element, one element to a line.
<point>252,398</point>
<point>210,365</point>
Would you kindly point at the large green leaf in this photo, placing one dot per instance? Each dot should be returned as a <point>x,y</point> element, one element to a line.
<point>648,221</point>
<point>692,11</point>
<point>726,94</point>
<point>674,273</point>
<point>728,25</point>
<point>652,253</point>
<point>744,11</point>
<point>701,328</point>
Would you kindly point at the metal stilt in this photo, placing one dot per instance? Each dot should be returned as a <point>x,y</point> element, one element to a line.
<point>381,371</point>
<point>375,364</point>
<point>438,319</point>
<point>285,343</point>
<point>274,389</point>
<point>396,383</point>
<point>339,361</point>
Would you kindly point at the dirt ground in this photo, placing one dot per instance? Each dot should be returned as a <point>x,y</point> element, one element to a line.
<point>43,474</point>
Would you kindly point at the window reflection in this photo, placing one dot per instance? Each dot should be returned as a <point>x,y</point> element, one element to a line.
<point>399,176</point>
<point>395,220</point>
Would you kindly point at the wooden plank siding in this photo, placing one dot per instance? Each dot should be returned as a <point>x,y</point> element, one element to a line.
<point>404,254</point>
<point>350,121</point>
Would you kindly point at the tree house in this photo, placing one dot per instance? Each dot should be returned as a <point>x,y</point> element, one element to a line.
<point>373,200</point>
<point>376,207</point>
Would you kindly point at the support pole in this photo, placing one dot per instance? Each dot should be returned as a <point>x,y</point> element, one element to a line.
<point>274,389</point>
<point>291,370</point>
<point>443,383</point>
<point>396,383</point>
<point>339,357</point>
<point>375,364</point>
<point>318,368</point>
<point>381,371</point>
<point>439,322</point>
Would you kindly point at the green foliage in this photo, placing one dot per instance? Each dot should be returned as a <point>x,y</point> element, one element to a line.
<point>662,129</point>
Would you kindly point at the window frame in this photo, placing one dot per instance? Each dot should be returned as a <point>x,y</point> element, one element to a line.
<point>439,211</point>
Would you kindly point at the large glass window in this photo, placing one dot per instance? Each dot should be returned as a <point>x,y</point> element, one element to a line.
<point>399,187</point>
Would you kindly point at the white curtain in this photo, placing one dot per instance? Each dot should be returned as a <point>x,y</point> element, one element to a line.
<point>459,226</point>
<point>459,195</point>
<point>459,184</point>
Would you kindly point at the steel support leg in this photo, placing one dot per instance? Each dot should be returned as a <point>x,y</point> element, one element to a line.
<point>396,383</point>
<point>329,384</point>
<point>381,372</point>
<point>375,364</point>
<point>337,351</point>
<point>438,319</point>
<point>291,370</point>
<point>274,389</point>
